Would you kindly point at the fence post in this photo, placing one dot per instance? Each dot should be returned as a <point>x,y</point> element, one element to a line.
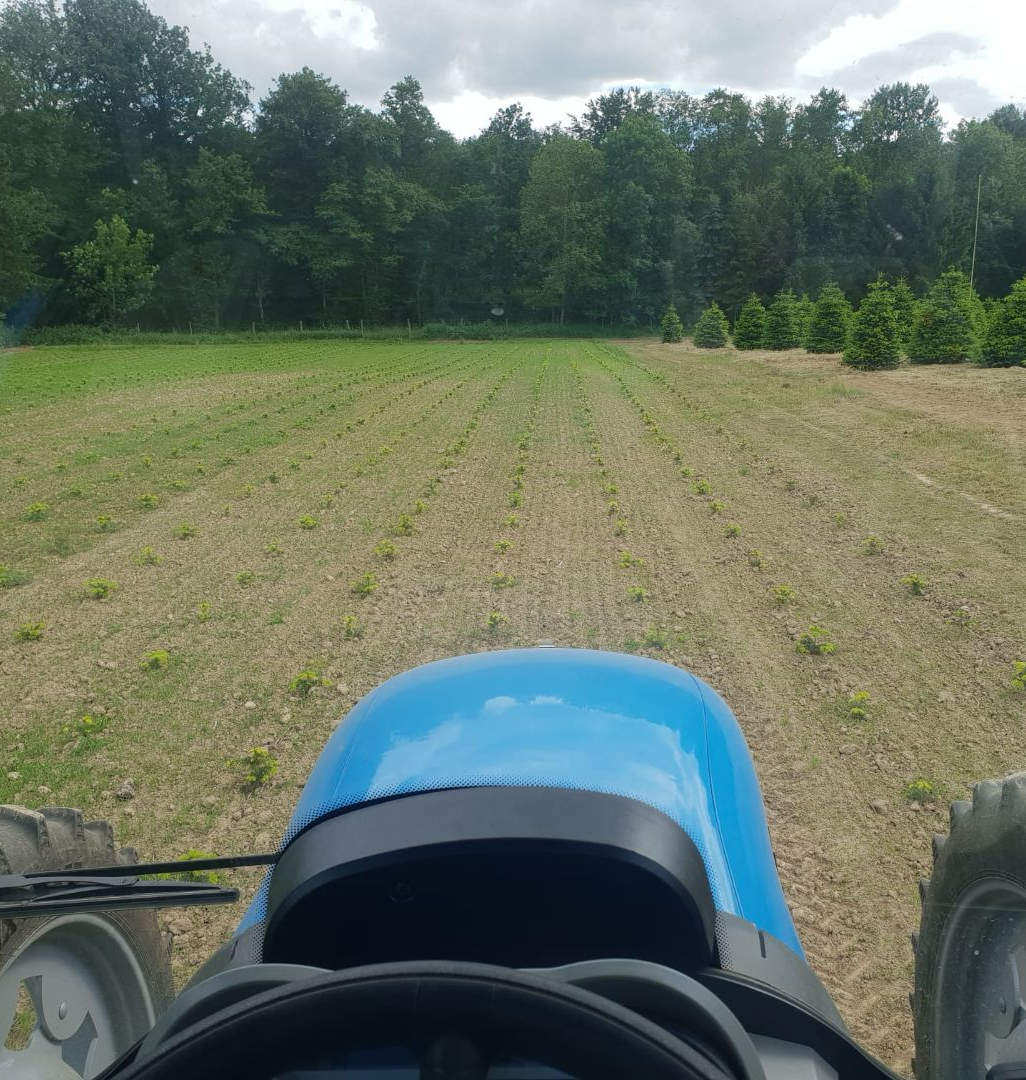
<point>409,329</point>
<point>300,325</point>
<point>190,328</point>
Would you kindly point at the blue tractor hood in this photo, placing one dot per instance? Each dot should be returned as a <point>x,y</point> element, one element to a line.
<point>563,718</point>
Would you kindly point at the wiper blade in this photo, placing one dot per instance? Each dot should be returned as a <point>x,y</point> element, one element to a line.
<point>108,888</point>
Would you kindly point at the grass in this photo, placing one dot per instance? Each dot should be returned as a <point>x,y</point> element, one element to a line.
<point>186,667</point>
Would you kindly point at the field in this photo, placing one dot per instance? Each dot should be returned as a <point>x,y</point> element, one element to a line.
<point>194,527</point>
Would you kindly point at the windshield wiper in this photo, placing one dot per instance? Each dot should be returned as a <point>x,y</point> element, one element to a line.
<point>106,888</point>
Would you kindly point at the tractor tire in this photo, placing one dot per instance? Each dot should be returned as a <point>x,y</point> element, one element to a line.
<point>113,967</point>
<point>969,1000</point>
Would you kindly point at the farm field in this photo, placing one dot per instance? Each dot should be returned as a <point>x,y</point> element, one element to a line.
<point>195,527</point>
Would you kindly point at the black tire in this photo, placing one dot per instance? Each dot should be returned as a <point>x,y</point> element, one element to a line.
<point>59,838</point>
<point>972,938</point>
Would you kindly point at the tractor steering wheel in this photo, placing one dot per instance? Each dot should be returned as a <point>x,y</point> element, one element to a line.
<point>455,1018</point>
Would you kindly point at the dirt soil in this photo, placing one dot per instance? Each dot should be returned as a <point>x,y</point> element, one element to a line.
<point>733,474</point>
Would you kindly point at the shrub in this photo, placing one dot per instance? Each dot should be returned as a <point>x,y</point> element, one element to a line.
<point>11,578</point>
<point>831,319</point>
<point>386,549</point>
<point>915,584</point>
<point>30,631</point>
<point>943,331</point>
<point>671,326</point>
<point>873,340</point>
<point>307,680</point>
<point>920,790</point>
<point>99,588</point>
<point>1004,340</point>
<point>783,594</point>
<point>365,584</point>
<point>260,766</point>
<point>783,326</point>
<point>750,325</point>
<point>815,642</point>
<point>36,511</point>
<point>711,330</point>
<point>155,660</point>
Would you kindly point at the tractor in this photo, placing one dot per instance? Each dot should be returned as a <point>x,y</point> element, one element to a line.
<point>515,865</point>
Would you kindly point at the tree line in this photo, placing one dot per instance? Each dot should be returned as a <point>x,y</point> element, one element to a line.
<point>952,323</point>
<point>139,179</point>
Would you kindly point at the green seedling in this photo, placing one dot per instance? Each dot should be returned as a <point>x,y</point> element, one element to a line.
<point>99,588</point>
<point>307,522</point>
<point>185,531</point>
<point>915,584</point>
<point>307,681</point>
<point>502,546</point>
<point>501,580</point>
<point>920,790</point>
<point>156,660</point>
<point>872,545</point>
<point>636,593</point>
<point>245,577</point>
<point>260,766</point>
<point>496,621</point>
<point>386,550</point>
<point>148,557</point>
<point>36,511</point>
<point>148,500</point>
<point>783,594</point>
<point>30,631</point>
<point>815,642</point>
<point>732,531</point>
<point>365,584</point>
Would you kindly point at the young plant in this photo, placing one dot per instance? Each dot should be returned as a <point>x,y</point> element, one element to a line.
<point>352,628</point>
<point>628,559</point>
<point>85,730</point>
<point>783,594</point>
<point>148,500</point>
<point>245,577</point>
<point>307,522</point>
<point>274,548</point>
<point>30,631</point>
<point>260,766</point>
<point>512,521</point>
<point>857,705</point>
<point>815,642</point>
<point>203,611</point>
<point>105,523</point>
<point>36,511</point>
<point>637,594</point>
<point>962,618</point>
<point>755,558</point>
<point>11,578</point>
<point>703,487</point>
<point>915,584</point>
<point>732,531</point>
<point>715,506</point>
<point>502,546</point>
<point>365,584</point>
<point>306,681</point>
<point>185,531</point>
<point>419,506</point>
<point>403,525</point>
<point>99,588</point>
<point>840,519</point>
<point>920,790</point>
<point>148,557</point>
<point>872,545</point>
<point>386,550</point>
<point>612,507</point>
<point>502,581</point>
<point>656,637</point>
<point>496,621</point>
<point>620,528</point>
<point>515,499</point>
<point>156,660</point>
<point>1019,675</point>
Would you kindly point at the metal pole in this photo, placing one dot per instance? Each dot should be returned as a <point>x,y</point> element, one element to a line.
<point>976,231</point>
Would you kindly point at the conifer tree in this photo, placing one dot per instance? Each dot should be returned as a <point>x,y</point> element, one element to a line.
<point>831,320</point>
<point>783,326</point>
<point>750,325</point>
<point>1004,341</point>
<point>944,329</point>
<point>671,326</point>
<point>712,330</point>
<point>873,341</point>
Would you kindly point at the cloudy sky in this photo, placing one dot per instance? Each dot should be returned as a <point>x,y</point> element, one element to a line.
<point>474,56</point>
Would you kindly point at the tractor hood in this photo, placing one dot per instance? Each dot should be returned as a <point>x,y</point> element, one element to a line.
<point>562,718</point>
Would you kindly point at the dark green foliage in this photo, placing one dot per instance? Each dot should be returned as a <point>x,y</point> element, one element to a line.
<point>904,311</point>
<point>750,326</point>
<point>670,325</point>
<point>831,318</point>
<point>944,330</point>
<point>1004,340</point>
<point>873,340</point>
<point>804,310</point>
<point>783,323</point>
<point>711,330</point>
